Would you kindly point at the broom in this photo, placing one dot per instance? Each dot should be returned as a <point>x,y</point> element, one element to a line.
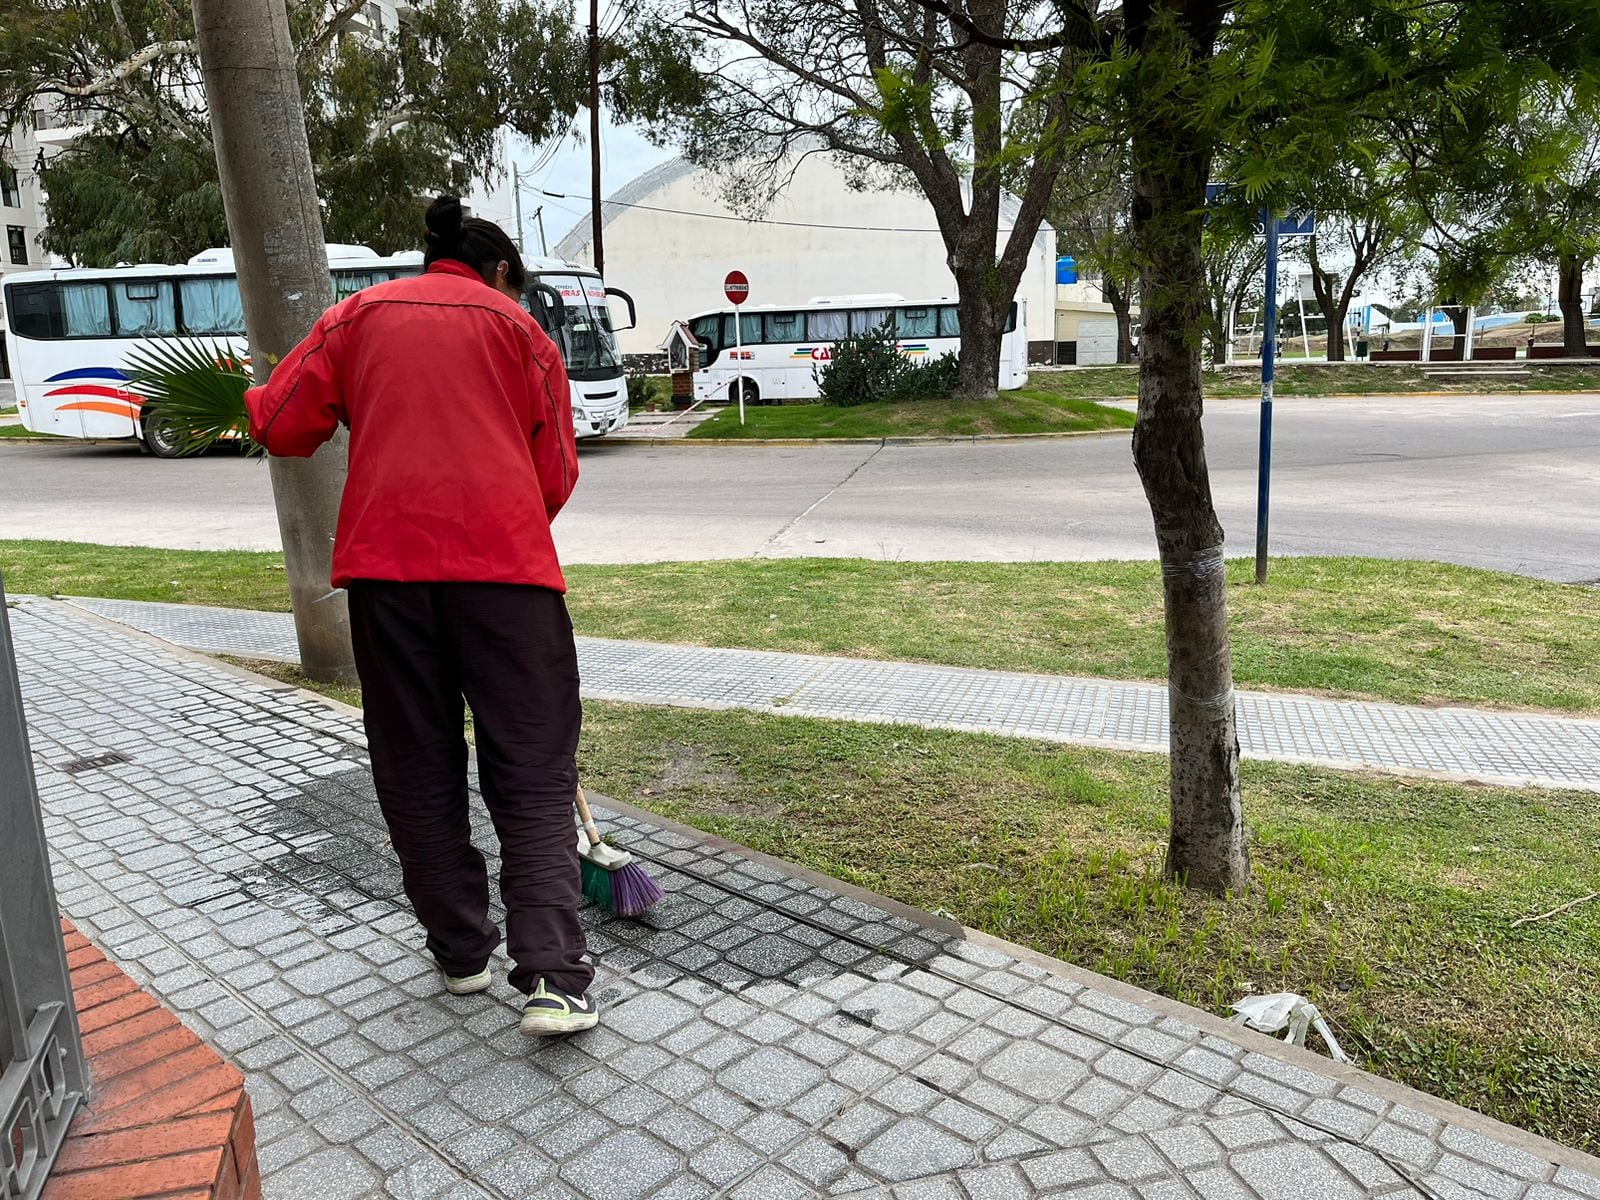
<point>610,876</point>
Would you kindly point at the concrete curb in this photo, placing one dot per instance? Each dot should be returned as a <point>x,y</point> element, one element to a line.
<point>932,440</point>
<point>955,439</point>
<point>46,439</point>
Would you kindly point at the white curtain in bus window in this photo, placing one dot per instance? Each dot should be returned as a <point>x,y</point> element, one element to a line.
<point>783,327</point>
<point>827,326</point>
<point>949,321</point>
<point>750,328</point>
<point>348,283</point>
<point>865,320</point>
<point>145,308</point>
<point>917,322</point>
<point>88,311</point>
<point>212,305</point>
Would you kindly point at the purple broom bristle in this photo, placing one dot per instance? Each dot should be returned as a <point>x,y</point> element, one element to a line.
<point>633,891</point>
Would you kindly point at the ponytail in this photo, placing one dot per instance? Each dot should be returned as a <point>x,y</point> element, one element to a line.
<point>473,241</point>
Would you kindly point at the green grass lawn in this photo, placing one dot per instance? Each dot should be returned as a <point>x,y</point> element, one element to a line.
<point>1388,902</point>
<point>1027,410</point>
<point>16,430</point>
<point>1402,631</point>
<point>1362,379</point>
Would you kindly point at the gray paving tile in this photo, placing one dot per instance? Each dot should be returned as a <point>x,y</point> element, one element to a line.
<point>912,1148</point>
<point>791,1057</point>
<point>1497,747</point>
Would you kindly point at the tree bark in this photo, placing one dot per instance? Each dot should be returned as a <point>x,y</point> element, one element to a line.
<point>1332,311</point>
<point>1121,301</point>
<point>275,224</point>
<point>973,260</point>
<point>978,371</point>
<point>1206,846</point>
<point>1574,333</point>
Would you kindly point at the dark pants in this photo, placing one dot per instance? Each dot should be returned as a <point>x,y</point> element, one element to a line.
<point>508,651</point>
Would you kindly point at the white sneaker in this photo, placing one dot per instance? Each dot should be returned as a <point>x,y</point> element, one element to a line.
<point>466,985</point>
<point>551,1012</point>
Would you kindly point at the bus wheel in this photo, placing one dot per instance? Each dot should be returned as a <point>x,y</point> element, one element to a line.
<point>752,394</point>
<point>160,438</point>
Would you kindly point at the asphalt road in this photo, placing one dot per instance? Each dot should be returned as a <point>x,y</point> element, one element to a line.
<point>1506,482</point>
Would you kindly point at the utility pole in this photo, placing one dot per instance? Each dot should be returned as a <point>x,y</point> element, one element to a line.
<point>594,133</point>
<point>538,215</point>
<point>516,202</point>
<point>1269,353</point>
<point>275,226</point>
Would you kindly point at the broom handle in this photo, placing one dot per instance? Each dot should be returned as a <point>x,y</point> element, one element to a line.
<point>586,818</point>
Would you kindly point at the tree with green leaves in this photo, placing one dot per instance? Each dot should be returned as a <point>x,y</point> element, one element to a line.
<point>392,113</point>
<point>1235,256</point>
<point>877,83</point>
<point>1274,85</point>
<point>1367,221</point>
<point>1556,217</point>
<point>1089,210</point>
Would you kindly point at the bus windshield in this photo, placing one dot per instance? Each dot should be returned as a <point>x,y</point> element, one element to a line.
<point>585,340</point>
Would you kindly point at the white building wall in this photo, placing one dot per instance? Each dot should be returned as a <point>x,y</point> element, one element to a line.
<point>839,242</point>
<point>20,151</point>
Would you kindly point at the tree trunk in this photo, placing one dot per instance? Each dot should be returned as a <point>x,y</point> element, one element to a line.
<point>1121,301</point>
<point>275,226</point>
<point>1574,333</point>
<point>1336,349</point>
<point>1206,846</point>
<point>981,330</point>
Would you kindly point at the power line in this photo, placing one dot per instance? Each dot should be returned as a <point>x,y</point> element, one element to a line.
<point>681,212</point>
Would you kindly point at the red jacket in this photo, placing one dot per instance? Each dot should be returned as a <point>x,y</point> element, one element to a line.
<point>462,448</point>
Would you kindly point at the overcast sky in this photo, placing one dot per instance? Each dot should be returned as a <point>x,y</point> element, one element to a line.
<point>624,155</point>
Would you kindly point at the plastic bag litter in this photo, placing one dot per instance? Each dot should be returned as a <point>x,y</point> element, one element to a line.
<point>1285,1010</point>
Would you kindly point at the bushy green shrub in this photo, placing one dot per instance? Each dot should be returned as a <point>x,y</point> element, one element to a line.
<point>642,389</point>
<point>868,367</point>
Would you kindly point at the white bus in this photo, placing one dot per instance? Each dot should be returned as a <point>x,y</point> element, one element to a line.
<point>781,344</point>
<point>69,333</point>
<point>571,303</point>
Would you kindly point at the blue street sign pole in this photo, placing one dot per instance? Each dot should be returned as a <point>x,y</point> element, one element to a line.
<point>1269,352</point>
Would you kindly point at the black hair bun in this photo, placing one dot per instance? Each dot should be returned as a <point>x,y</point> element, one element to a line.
<point>445,222</point>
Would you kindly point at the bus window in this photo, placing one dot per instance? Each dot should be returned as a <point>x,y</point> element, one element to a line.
<point>750,329</point>
<point>708,332</point>
<point>36,312</point>
<point>348,283</point>
<point>1011,317</point>
<point>145,308</point>
<point>949,321</point>
<point>917,322</point>
<point>865,320</point>
<point>211,305</point>
<point>783,327</point>
<point>60,310</point>
<point>827,325</point>
<point>88,309</point>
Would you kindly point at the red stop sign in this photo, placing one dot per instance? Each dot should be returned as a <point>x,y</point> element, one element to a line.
<point>736,287</point>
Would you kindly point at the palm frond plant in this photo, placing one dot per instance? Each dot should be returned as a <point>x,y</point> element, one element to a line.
<point>193,393</point>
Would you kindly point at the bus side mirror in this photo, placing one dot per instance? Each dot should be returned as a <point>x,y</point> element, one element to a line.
<point>546,305</point>
<point>633,313</point>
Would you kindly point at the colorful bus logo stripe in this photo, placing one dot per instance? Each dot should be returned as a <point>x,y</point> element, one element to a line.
<point>100,397</point>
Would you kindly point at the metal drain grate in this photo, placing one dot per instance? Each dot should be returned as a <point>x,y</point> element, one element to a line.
<point>95,762</point>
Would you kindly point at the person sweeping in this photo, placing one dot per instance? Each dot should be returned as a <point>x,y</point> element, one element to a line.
<point>461,454</point>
